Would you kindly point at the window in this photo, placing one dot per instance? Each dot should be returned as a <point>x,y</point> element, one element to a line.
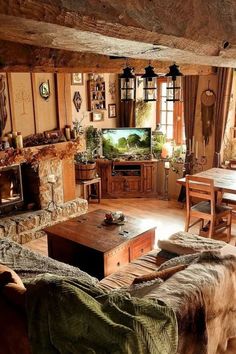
<point>170,115</point>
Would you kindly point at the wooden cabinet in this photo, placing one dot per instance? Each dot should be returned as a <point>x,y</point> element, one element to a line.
<point>96,94</point>
<point>126,179</point>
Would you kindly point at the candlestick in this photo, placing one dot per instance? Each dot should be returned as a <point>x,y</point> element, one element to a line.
<point>189,145</point>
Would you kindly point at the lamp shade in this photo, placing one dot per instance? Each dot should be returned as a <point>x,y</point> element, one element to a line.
<point>174,84</point>
<point>127,85</point>
<point>149,84</point>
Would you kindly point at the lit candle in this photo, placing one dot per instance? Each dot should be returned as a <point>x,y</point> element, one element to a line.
<point>196,149</point>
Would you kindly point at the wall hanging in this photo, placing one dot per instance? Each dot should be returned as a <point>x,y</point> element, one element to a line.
<point>208,99</point>
<point>3,110</point>
<point>44,90</point>
<point>77,100</point>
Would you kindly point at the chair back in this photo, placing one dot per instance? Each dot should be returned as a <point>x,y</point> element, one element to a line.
<point>232,164</point>
<point>200,188</point>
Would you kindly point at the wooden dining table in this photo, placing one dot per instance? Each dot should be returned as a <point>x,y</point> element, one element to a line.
<point>224,179</point>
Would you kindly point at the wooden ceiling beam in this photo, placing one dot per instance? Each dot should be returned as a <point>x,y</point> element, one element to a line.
<point>194,31</point>
<point>15,57</point>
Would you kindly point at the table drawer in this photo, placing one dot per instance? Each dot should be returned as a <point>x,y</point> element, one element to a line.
<point>142,245</point>
<point>115,259</point>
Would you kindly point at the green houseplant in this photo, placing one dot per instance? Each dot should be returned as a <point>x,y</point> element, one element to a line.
<point>85,161</point>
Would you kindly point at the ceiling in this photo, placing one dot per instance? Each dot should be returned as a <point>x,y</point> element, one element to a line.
<point>198,34</point>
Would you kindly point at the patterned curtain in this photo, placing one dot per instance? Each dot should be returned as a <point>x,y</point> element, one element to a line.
<point>190,88</point>
<point>224,86</point>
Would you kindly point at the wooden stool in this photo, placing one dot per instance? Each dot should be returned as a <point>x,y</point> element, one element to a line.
<point>87,194</point>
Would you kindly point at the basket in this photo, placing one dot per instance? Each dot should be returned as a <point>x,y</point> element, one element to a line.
<point>85,171</point>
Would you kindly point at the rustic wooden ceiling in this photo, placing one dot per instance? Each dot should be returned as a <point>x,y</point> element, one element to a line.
<point>60,34</point>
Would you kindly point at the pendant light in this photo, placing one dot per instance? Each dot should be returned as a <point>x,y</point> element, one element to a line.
<point>149,84</point>
<point>127,85</point>
<point>174,84</point>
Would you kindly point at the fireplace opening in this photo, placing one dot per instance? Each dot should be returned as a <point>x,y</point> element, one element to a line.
<point>11,189</point>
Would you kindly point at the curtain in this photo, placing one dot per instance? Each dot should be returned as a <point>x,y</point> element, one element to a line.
<point>127,113</point>
<point>190,88</point>
<point>224,86</point>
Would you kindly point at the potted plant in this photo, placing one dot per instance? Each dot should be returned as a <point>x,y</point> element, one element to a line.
<point>85,161</point>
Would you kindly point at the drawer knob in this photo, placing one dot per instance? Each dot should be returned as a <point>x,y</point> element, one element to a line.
<point>118,264</point>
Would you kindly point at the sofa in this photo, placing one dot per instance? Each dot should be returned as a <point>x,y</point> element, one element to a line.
<point>50,307</point>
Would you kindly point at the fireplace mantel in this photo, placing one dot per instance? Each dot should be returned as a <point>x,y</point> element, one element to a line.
<point>62,150</point>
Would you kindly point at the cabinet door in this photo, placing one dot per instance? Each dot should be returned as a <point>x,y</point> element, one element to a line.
<point>142,244</point>
<point>115,259</point>
<point>104,171</point>
<point>126,185</point>
<point>149,178</point>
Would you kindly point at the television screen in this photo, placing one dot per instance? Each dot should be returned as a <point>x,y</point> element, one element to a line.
<point>117,142</point>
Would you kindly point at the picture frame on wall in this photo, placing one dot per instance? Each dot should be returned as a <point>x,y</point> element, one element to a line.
<point>112,110</point>
<point>97,116</point>
<point>77,79</point>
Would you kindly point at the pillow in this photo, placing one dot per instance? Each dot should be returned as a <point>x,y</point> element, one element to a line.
<point>12,287</point>
<point>7,275</point>
<point>163,274</point>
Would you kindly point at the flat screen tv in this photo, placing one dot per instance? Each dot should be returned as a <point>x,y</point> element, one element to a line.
<point>118,142</point>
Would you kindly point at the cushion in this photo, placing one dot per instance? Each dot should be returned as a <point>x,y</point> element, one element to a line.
<point>7,275</point>
<point>182,243</point>
<point>12,287</point>
<point>163,274</point>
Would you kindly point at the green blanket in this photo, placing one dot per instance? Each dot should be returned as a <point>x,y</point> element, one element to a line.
<point>67,315</point>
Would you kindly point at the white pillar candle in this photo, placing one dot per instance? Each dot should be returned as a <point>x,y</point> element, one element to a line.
<point>204,148</point>
<point>196,149</point>
<point>193,145</point>
<point>167,164</point>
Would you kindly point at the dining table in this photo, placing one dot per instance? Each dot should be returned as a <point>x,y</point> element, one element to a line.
<point>224,179</point>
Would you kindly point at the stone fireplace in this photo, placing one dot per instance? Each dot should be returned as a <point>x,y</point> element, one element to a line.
<point>50,180</point>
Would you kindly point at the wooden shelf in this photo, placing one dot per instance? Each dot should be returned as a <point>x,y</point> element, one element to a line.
<point>96,98</point>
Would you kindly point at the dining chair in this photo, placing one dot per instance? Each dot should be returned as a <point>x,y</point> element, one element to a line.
<point>230,198</point>
<point>217,217</point>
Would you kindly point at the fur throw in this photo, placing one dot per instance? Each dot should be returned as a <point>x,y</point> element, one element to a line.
<point>203,297</point>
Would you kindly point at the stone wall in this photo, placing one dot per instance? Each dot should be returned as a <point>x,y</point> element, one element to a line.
<point>47,168</point>
<point>28,226</point>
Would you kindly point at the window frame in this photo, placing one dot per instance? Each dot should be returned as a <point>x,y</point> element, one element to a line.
<point>178,111</point>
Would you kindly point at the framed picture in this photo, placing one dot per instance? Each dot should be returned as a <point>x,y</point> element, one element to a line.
<point>112,110</point>
<point>97,116</point>
<point>77,79</point>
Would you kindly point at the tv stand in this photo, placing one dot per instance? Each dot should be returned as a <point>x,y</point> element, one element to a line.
<point>128,179</point>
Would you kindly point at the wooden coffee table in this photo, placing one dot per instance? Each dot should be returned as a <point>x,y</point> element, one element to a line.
<point>97,248</point>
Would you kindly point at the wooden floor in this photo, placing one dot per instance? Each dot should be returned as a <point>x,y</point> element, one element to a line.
<point>169,217</point>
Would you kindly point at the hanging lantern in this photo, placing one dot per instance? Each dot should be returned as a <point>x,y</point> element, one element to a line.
<point>127,85</point>
<point>149,84</point>
<point>174,84</point>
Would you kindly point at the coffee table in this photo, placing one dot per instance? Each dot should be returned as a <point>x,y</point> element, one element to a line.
<point>97,248</point>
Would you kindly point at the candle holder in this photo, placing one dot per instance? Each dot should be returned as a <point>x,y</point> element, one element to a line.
<point>194,164</point>
<point>52,204</point>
